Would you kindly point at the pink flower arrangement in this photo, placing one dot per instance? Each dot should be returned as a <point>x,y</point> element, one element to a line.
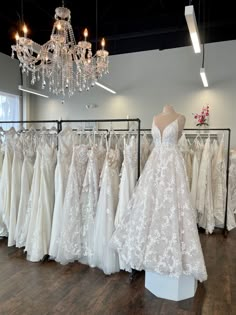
<point>202,118</point>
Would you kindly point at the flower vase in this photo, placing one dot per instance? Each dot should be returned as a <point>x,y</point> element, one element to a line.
<point>202,126</point>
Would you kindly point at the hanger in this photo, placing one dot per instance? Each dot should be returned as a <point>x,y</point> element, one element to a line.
<point>112,133</point>
<point>66,129</point>
<point>53,128</point>
<point>43,129</point>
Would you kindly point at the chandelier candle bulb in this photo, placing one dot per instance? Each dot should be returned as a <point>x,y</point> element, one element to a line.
<point>103,43</point>
<point>25,30</point>
<point>17,37</point>
<point>59,26</point>
<point>85,34</point>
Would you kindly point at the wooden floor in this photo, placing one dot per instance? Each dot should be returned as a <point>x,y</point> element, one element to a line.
<point>49,288</point>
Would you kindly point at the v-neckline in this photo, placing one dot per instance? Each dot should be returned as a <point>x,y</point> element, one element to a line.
<point>161,133</point>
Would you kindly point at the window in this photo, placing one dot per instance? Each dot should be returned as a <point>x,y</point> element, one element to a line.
<point>9,108</point>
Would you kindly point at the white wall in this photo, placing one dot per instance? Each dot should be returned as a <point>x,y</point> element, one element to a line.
<point>146,81</point>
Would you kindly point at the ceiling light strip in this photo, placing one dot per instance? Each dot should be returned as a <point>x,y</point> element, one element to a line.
<point>28,90</point>
<point>105,88</point>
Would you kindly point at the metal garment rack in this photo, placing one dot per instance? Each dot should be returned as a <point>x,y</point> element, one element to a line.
<point>32,122</point>
<point>206,132</point>
<point>110,121</point>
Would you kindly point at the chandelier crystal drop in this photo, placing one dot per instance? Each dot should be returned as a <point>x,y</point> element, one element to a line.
<point>65,66</point>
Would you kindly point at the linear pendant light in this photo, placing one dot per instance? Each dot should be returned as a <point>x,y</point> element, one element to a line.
<point>192,27</point>
<point>105,88</point>
<point>203,77</point>
<point>202,69</point>
<point>32,91</point>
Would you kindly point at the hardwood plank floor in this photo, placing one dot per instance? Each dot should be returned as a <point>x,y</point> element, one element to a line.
<point>50,288</point>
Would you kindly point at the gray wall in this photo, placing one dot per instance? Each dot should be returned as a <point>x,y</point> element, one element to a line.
<point>9,75</point>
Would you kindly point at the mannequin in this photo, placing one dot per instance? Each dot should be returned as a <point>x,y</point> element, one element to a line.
<point>158,232</point>
<point>167,116</point>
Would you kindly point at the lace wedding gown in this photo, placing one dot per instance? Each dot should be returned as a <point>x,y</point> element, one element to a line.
<point>105,257</point>
<point>128,179</point>
<point>69,246</point>
<point>89,199</point>
<point>159,231</point>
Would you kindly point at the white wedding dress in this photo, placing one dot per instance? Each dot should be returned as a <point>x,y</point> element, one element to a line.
<point>204,200</point>
<point>3,229</point>
<point>6,178</point>
<point>70,246</point>
<point>219,184</point>
<point>158,232</point>
<point>198,147</point>
<point>26,182</point>
<point>39,232</point>
<point>89,199</point>
<point>105,257</point>
<point>231,211</point>
<point>15,189</point>
<point>129,173</point>
<point>64,155</point>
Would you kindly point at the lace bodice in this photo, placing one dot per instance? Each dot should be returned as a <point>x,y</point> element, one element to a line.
<point>169,135</point>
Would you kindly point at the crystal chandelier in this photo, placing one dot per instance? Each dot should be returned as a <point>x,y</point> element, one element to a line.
<point>60,63</point>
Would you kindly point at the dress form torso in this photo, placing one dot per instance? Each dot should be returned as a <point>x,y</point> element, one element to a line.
<point>167,116</point>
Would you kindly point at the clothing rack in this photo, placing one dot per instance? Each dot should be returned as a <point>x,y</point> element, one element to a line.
<point>137,120</point>
<point>206,132</point>
<point>32,122</point>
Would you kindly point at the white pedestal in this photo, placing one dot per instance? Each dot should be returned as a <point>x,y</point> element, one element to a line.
<point>170,288</point>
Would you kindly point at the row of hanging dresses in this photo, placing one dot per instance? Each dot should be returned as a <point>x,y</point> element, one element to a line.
<point>206,168</point>
<point>27,190</point>
<point>66,203</point>
<point>6,180</point>
<point>76,199</point>
<point>90,196</point>
<point>232,189</point>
